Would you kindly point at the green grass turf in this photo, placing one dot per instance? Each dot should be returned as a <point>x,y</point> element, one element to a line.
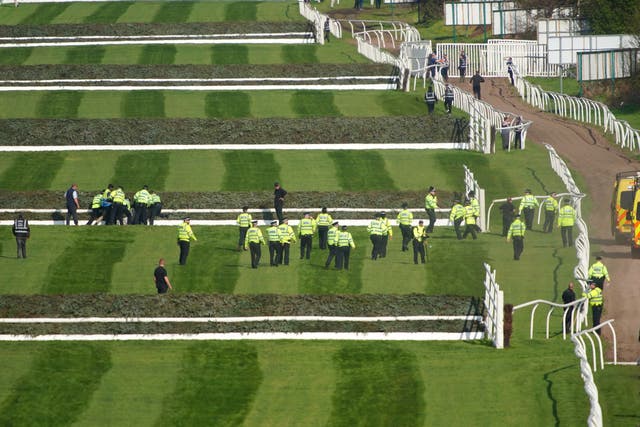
<point>228,104</point>
<point>174,12</point>
<point>361,170</point>
<point>296,383</point>
<point>45,13</point>
<point>85,55</point>
<point>57,105</point>
<point>263,104</point>
<point>294,54</point>
<point>108,13</point>
<point>15,56</point>
<point>240,11</point>
<point>32,172</point>
<point>239,176</point>
<point>229,54</point>
<point>151,168</point>
<point>157,54</point>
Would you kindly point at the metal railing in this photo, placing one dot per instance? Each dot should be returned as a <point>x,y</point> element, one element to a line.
<point>561,197</point>
<point>494,306</point>
<point>577,316</point>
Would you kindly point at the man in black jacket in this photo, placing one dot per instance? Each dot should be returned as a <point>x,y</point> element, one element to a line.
<point>568,296</point>
<point>22,232</point>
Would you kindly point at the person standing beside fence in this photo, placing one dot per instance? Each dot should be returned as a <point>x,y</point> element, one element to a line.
<point>568,296</point>
<point>470,221</point>
<point>510,69</point>
<point>566,219</point>
<point>430,205</point>
<point>71,197</point>
<point>456,216</point>
<point>594,296</point>
<point>516,233</point>
<point>278,200</point>
<point>462,65</point>
<point>505,133</point>
<point>430,99</point>
<point>475,84</point>
<point>550,208</point>
<point>327,29</point>
<point>527,207</point>
<point>448,98</point>
<point>244,222</point>
<point>444,67</point>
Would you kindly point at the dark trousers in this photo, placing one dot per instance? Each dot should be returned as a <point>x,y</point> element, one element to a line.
<point>256,253</point>
<point>476,92</point>
<point>305,246</point>
<point>283,255</point>
<point>274,253</point>
<point>342,257</point>
<point>418,248</point>
<point>140,211</point>
<point>567,320</point>
<point>567,235</point>
<point>470,229</point>
<point>278,205</point>
<point>375,250</point>
<point>406,236</point>
<point>528,217</point>
<point>506,224</point>
<point>332,254</point>
<point>599,281</point>
<point>21,243</point>
<point>431,213</point>
<point>154,212</point>
<point>322,236</point>
<point>384,241</point>
<point>511,76</point>
<point>243,234</point>
<point>430,107</point>
<point>447,105</point>
<point>94,215</point>
<point>596,312</point>
<point>116,213</point>
<point>184,251</point>
<point>518,246</point>
<point>549,216</point>
<point>456,226</point>
<point>72,212</point>
<point>463,72</point>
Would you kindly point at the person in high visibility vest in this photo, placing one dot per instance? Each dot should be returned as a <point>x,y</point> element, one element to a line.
<point>475,204</point>
<point>332,242</point>
<point>456,216</point>
<point>96,209</point>
<point>117,209</point>
<point>376,230</point>
<point>430,99</point>
<point>405,218</point>
<point>107,203</point>
<point>306,230</point>
<point>323,221</point>
<point>287,236</point>
<point>185,235</point>
<point>244,222</point>
<point>596,301</point>
<point>470,221</point>
<point>155,206</point>
<point>345,244</point>
<point>566,220</point>
<point>430,205</point>
<point>252,241</point>
<point>21,232</point>
<point>550,208</point>
<point>528,205</point>
<point>140,205</point>
<point>598,273</point>
<point>273,237</point>
<point>448,98</point>
<point>384,241</point>
<point>419,239</point>
<point>516,233</point>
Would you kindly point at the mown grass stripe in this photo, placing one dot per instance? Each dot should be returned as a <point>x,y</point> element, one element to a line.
<point>299,54</point>
<point>216,385</point>
<point>204,273</point>
<point>314,103</point>
<point>15,56</point>
<point>85,55</point>
<point>59,105</point>
<point>32,171</point>
<point>362,170</point>
<point>378,384</point>
<point>90,258</point>
<point>226,105</point>
<point>143,104</point>
<point>45,13</point>
<point>244,169</point>
<point>229,54</point>
<point>59,385</point>
<point>241,11</point>
<point>172,12</point>
<point>157,54</point>
<point>108,13</point>
<point>133,170</point>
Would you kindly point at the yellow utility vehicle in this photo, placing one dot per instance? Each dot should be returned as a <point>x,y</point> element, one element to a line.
<point>622,206</point>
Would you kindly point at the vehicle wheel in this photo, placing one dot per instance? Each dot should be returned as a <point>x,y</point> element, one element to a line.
<point>621,238</point>
<point>635,252</point>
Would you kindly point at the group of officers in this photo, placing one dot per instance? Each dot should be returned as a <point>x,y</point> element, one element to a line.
<point>112,206</point>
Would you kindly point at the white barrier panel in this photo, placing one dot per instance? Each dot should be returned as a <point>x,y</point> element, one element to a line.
<point>560,28</point>
<point>563,50</point>
<point>494,308</point>
<point>471,12</point>
<point>416,54</point>
<point>609,64</point>
<point>515,21</point>
<point>577,315</point>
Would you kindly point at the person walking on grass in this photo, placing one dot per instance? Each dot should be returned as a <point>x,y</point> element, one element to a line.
<point>419,239</point>
<point>345,244</point>
<point>527,207</point>
<point>456,217</point>
<point>71,197</point>
<point>161,279</point>
<point>306,230</point>
<point>598,273</point>
<point>430,205</point>
<point>278,200</point>
<point>405,218</point>
<point>273,237</point>
<point>185,235</point>
<point>323,221</point>
<point>287,237</point>
<point>22,232</point>
<point>475,84</point>
<point>566,220</point>
<point>332,243</point>
<point>430,99</point>
<point>516,233</point>
<point>550,209</point>
<point>594,296</point>
<point>244,222</point>
<point>252,241</point>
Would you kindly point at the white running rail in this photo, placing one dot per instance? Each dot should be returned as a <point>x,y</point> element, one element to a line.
<point>577,315</point>
<point>494,306</point>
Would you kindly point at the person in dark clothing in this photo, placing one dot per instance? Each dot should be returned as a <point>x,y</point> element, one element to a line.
<point>327,29</point>
<point>278,200</point>
<point>73,205</point>
<point>508,210</point>
<point>448,98</point>
<point>510,69</point>
<point>22,232</point>
<point>568,296</point>
<point>161,279</point>
<point>462,65</point>
<point>430,99</point>
<point>475,84</point>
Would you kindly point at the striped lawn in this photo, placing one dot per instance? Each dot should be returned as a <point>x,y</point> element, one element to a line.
<point>293,383</point>
<point>185,104</point>
<point>298,170</point>
<point>150,12</point>
<point>219,54</point>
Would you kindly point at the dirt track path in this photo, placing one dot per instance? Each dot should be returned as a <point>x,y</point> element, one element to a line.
<point>587,151</point>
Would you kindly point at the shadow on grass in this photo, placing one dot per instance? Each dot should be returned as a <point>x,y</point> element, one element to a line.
<point>554,401</point>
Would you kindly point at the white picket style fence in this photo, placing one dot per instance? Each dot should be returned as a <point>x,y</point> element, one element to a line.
<point>471,184</point>
<point>494,308</point>
<point>577,315</point>
<point>579,109</point>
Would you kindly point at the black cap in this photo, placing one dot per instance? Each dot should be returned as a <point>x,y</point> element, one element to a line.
<point>528,190</point>
<point>344,227</point>
<point>405,205</point>
<point>186,218</point>
<point>273,222</point>
<point>255,221</point>
<point>383,214</point>
<point>335,223</point>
